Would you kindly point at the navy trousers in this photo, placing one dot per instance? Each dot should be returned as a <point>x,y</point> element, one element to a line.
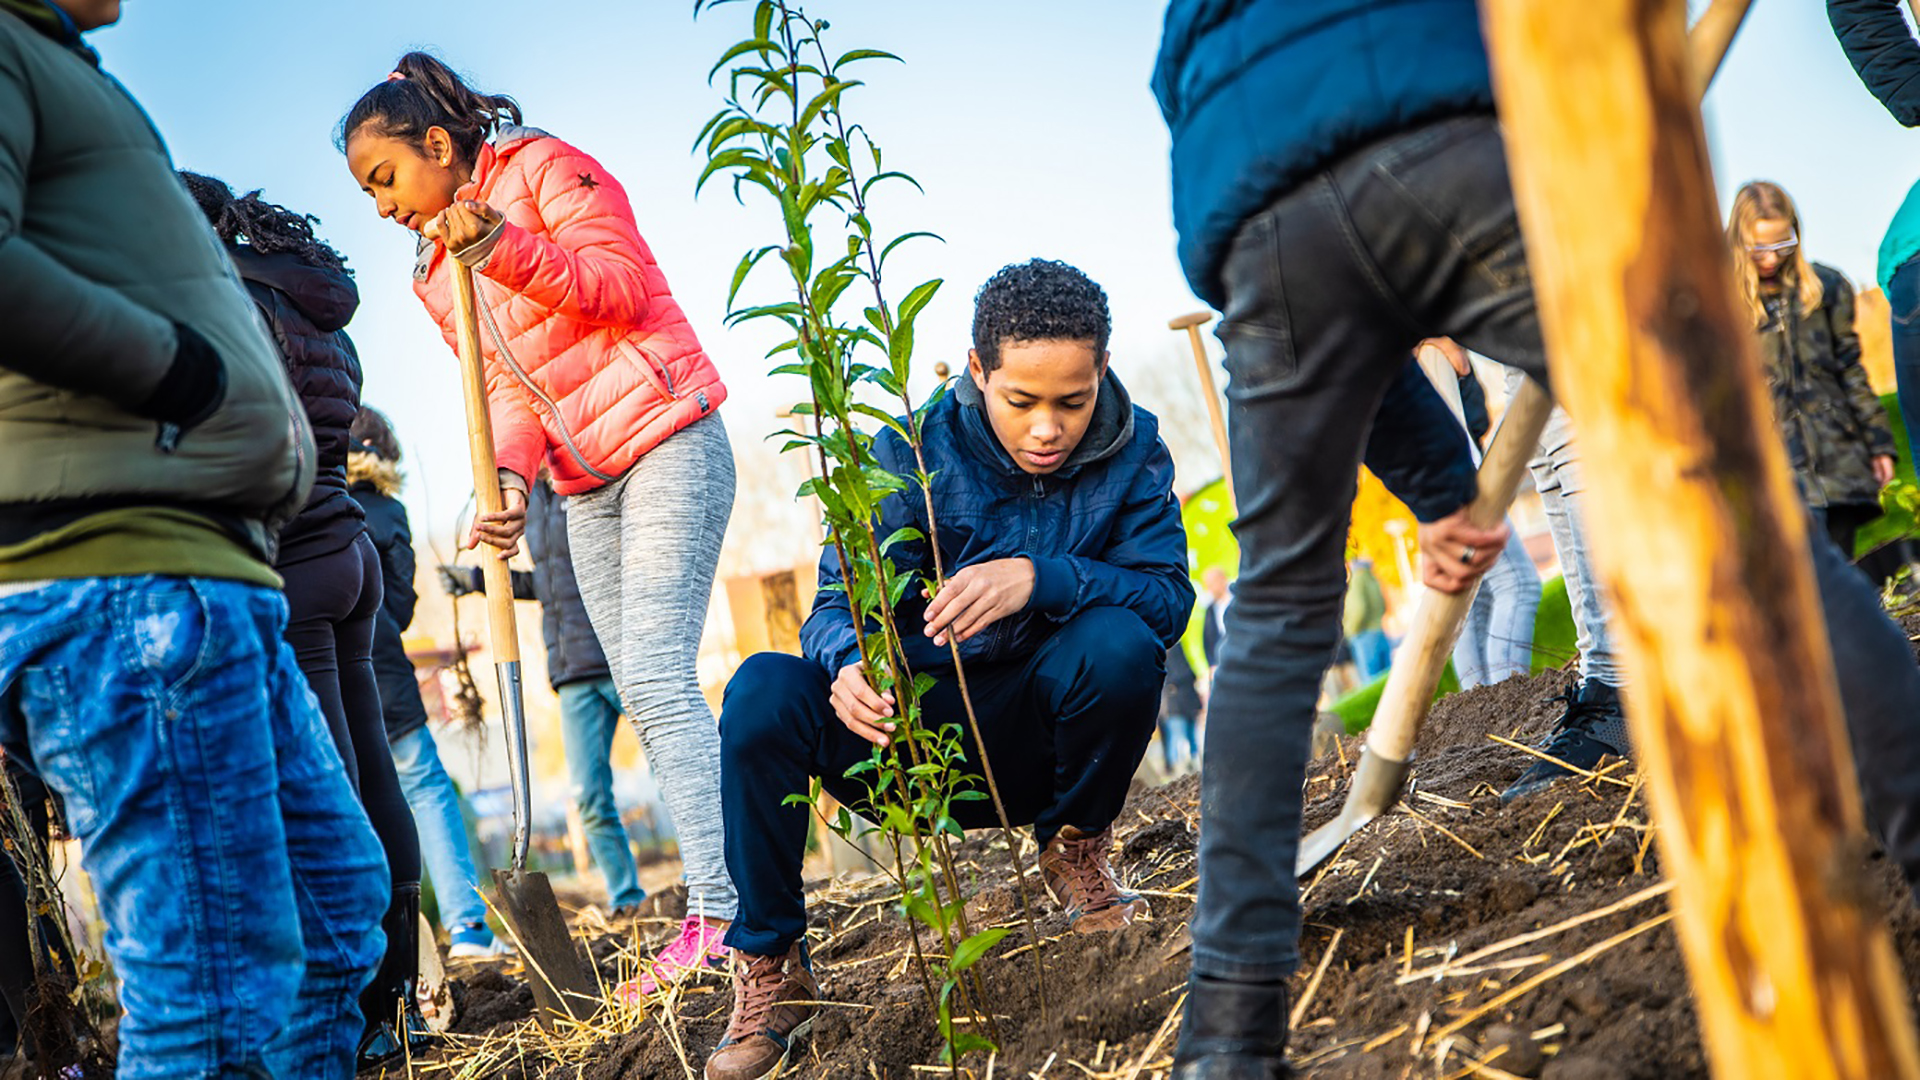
<point>1064,728</point>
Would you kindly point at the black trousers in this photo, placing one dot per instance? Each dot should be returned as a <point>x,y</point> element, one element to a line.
<point>1065,729</point>
<point>332,601</point>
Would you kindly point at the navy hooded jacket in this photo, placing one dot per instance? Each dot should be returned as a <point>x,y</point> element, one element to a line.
<point>1103,530</point>
<point>1260,94</point>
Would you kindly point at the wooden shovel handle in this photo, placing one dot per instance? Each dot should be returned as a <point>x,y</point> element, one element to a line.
<point>501,628</point>
<point>1422,657</point>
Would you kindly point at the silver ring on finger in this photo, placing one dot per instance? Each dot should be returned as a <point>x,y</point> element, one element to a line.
<point>1467,555</point>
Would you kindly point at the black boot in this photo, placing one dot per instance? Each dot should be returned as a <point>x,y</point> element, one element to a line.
<point>1233,1031</point>
<point>1592,727</point>
<point>383,1001</point>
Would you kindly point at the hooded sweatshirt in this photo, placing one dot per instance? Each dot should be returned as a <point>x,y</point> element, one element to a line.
<point>306,307</point>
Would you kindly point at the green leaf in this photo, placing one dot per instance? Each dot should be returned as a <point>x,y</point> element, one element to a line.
<point>968,952</point>
<point>740,272</point>
<point>824,99</point>
<point>903,238</point>
<point>763,19</point>
<point>917,299</point>
<point>752,45</point>
<point>726,159</point>
<point>867,184</point>
<point>881,415</point>
<point>905,535</point>
<point>970,795</point>
<point>864,54</point>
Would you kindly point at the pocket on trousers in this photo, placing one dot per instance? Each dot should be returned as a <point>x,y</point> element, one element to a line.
<point>1258,327</point>
<point>1903,293</point>
<point>168,630</point>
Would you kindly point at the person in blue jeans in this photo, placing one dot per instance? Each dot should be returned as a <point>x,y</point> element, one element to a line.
<point>151,447</point>
<point>1336,235</point>
<point>589,703</point>
<point>373,478</point>
<point>1179,714</point>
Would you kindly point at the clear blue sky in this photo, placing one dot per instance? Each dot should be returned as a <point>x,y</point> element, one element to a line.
<point>1029,123</point>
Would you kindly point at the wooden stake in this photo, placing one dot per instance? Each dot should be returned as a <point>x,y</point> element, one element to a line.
<point>1192,324</point>
<point>1700,538</point>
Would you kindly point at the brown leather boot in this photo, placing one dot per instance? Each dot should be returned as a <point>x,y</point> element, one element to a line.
<point>768,1015</point>
<point>1077,873</point>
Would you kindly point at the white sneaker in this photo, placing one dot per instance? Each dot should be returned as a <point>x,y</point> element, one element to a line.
<point>470,950</point>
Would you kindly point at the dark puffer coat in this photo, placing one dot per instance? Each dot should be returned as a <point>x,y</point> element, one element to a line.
<point>1829,416</point>
<point>306,307</point>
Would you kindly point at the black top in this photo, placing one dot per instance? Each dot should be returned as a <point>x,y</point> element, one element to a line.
<point>387,524</point>
<point>305,307</point>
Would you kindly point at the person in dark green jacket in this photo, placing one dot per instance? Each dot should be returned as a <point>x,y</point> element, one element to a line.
<point>150,449</point>
<point>1835,430</point>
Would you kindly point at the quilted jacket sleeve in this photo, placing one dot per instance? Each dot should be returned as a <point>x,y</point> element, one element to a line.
<point>1875,36</point>
<point>591,264</point>
<point>62,329</point>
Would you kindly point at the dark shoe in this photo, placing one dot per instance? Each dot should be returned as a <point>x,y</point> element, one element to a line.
<point>1233,1031</point>
<point>772,1008</point>
<point>388,1003</point>
<point>1591,728</point>
<point>1077,873</point>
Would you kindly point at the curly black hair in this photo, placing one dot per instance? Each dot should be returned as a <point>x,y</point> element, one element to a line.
<point>1038,300</point>
<point>263,226</point>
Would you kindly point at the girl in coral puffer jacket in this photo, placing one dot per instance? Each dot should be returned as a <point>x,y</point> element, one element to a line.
<point>591,367</point>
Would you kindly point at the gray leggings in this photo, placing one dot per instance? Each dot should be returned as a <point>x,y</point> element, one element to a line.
<point>645,548</point>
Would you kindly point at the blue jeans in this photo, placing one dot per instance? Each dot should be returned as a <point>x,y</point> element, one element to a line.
<point>1558,478</point>
<point>1372,653</point>
<point>443,831</point>
<point>1497,641</point>
<point>1903,297</point>
<point>1064,730</point>
<point>589,715</point>
<point>240,881</point>
<point>1329,289</point>
<point>1179,741</point>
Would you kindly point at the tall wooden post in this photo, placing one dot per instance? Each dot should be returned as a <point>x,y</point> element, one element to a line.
<point>1700,537</point>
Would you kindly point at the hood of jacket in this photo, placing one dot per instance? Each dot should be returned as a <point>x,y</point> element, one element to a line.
<point>326,296</point>
<point>1110,429</point>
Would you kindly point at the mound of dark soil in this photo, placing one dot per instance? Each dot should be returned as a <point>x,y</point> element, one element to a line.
<point>1410,963</point>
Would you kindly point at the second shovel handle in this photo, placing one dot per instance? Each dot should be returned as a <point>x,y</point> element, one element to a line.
<point>1422,658</point>
<point>502,630</point>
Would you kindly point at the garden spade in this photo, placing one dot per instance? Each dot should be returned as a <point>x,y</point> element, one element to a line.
<point>562,983</point>
<point>1422,657</point>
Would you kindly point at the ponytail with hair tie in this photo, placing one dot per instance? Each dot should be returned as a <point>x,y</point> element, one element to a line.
<point>422,92</point>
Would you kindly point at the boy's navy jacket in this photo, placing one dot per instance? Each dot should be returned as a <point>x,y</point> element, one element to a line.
<point>1103,530</point>
<point>1259,94</point>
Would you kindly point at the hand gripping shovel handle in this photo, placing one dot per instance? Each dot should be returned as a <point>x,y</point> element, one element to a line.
<point>1422,657</point>
<point>501,629</point>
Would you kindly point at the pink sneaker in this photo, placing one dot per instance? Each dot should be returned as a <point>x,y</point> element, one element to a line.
<point>697,948</point>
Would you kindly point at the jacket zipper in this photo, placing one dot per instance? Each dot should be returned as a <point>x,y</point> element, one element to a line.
<point>553,409</point>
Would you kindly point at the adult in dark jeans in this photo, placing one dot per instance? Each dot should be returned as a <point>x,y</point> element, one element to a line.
<point>333,580</point>
<point>1336,229</point>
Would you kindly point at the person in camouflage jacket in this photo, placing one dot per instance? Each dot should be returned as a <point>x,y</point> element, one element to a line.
<point>1835,429</point>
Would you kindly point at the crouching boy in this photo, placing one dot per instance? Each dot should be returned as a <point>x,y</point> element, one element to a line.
<point>1068,582</point>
